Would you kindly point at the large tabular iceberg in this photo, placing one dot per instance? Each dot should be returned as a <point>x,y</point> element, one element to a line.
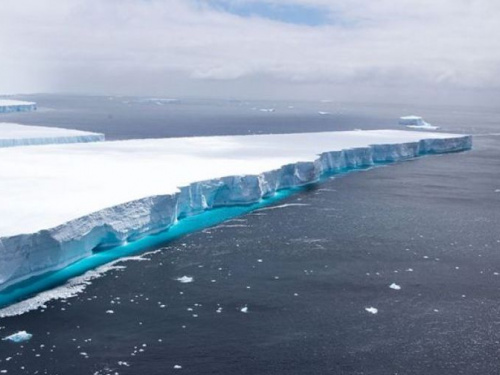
<point>7,105</point>
<point>60,202</point>
<point>25,135</point>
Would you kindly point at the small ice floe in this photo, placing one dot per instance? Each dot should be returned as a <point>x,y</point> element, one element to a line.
<point>371,310</point>
<point>110,312</point>
<point>177,367</point>
<point>395,286</point>
<point>18,337</point>
<point>219,310</point>
<point>244,309</point>
<point>185,279</point>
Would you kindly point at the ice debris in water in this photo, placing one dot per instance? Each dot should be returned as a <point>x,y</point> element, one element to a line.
<point>371,310</point>
<point>177,367</point>
<point>185,279</point>
<point>20,336</point>
<point>244,309</point>
<point>395,286</point>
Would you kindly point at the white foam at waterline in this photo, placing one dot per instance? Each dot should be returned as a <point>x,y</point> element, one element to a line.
<point>70,289</point>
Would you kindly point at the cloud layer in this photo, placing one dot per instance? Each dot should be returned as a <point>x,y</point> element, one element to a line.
<point>193,47</point>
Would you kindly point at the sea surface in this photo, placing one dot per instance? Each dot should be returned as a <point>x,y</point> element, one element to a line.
<point>285,289</point>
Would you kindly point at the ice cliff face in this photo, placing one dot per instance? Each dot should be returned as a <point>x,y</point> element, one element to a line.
<point>23,256</point>
<point>16,106</point>
<point>84,138</point>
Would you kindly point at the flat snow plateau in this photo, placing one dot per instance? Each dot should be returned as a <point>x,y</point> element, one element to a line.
<point>59,202</point>
<point>25,135</point>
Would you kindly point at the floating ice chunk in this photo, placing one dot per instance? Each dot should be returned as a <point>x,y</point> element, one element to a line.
<point>110,312</point>
<point>371,310</point>
<point>185,279</point>
<point>177,367</point>
<point>244,309</point>
<point>395,286</point>
<point>20,336</point>
<point>416,122</point>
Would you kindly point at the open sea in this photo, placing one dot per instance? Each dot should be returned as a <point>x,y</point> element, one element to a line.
<point>283,287</point>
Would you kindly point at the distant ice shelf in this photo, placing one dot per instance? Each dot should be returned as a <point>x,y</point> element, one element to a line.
<point>7,105</point>
<point>12,135</point>
<point>61,202</point>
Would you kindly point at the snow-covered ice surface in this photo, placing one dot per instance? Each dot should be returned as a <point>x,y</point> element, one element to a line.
<point>7,105</point>
<point>25,135</point>
<point>64,201</point>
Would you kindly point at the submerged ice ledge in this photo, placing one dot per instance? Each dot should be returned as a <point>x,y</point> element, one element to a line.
<point>25,255</point>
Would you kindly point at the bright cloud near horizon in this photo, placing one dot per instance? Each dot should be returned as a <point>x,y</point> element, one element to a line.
<point>250,48</point>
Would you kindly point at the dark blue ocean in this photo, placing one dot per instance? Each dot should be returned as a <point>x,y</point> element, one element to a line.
<point>283,289</point>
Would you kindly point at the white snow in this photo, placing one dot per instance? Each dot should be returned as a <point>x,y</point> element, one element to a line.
<point>20,336</point>
<point>26,135</point>
<point>7,105</point>
<point>62,201</point>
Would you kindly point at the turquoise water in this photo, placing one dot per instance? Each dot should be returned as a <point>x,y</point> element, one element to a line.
<point>185,226</point>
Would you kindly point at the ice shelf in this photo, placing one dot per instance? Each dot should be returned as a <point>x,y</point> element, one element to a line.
<point>12,135</point>
<point>60,202</point>
<point>7,105</point>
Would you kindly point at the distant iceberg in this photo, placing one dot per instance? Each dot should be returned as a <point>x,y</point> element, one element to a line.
<point>7,105</point>
<point>416,122</point>
<point>12,135</point>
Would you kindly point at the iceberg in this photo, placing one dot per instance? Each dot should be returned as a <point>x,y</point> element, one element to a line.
<point>63,202</point>
<point>416,122</point>
<point>7,105</point>
<point>12,135</point>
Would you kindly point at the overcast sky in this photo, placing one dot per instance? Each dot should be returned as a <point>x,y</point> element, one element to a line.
<point>368,49</point>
